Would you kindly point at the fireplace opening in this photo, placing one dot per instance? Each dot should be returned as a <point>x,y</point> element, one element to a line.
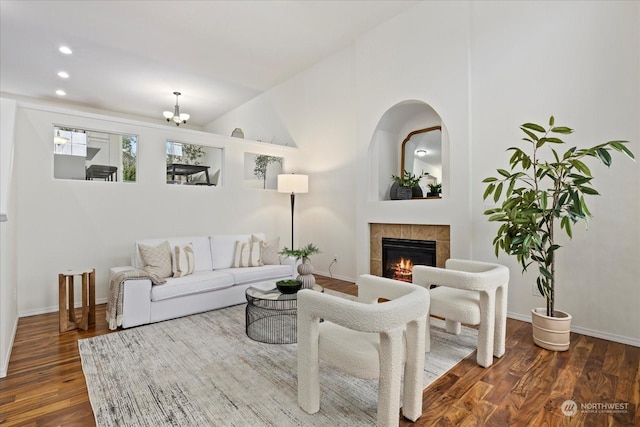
<point>400,255</point>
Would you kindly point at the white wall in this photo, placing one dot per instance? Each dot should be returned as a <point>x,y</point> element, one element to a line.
<point>485,68</point>
<point>70,224</point>
<point>578,61</point>
<point>316,108</point>
<point>8,282</point>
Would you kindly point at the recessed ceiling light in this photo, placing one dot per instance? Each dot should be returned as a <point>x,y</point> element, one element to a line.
<point>63,74</point>
<point>66,50</point>
<point>421,152</point>
<point>61,92</point>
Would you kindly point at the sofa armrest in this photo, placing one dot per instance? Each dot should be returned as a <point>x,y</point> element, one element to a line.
<point>116,270</point>
<point>136,303</point>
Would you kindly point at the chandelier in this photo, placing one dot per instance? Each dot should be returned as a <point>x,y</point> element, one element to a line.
<point>175,115</point>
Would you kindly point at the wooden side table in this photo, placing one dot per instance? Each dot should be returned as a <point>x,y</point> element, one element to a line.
<point>68,319</point>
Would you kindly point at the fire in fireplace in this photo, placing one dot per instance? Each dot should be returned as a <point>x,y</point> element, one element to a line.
<point>400,255</point>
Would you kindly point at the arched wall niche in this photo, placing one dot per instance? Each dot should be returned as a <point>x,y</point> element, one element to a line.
<point>385,146</point>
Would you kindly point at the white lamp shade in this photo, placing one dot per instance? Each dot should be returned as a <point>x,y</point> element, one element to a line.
<point>167,114</point>
<point>293,183</point>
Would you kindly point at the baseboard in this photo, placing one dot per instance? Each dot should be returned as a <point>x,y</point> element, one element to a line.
<point>586,331</point>
<point>5,369</point>
<point>53,309</point>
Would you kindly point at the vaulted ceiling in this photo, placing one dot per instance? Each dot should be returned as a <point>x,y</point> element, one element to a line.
<point>130,56</point>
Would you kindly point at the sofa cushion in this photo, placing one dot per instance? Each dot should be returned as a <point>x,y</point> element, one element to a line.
<point>156,261</point>
<point>223,248</point>
<point>244,275</point>
<point>201,250</point>
<point>198,282</point>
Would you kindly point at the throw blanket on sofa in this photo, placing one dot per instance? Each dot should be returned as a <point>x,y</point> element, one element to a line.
<point>116,295</point>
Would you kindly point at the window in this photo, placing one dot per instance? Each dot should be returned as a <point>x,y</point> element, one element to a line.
<point>91,155</point>
<point>191,164</point>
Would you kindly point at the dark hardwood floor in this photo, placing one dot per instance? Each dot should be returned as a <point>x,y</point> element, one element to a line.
<point>526,387</point>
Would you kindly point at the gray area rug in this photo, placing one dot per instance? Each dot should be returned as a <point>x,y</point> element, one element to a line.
<point>202,370</point>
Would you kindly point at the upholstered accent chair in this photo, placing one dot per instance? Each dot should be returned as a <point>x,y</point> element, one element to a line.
<point>366,339</point>
<point>473,293</point>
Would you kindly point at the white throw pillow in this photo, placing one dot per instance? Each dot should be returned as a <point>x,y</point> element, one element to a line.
<point>183,260</point>
<point>157,261</point>
<point>247,254</point>
<point>269,252</point>
<point>256,251</point>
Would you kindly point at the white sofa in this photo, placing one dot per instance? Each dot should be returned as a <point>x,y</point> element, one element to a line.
<point>213,284</point>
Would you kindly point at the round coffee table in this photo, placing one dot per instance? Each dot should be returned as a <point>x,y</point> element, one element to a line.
<point>271,316</point>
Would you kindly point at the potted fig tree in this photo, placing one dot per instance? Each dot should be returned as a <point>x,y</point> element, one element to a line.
<point>544,192</point>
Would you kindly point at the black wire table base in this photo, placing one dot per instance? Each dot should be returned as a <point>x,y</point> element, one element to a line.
<point>271,317</point>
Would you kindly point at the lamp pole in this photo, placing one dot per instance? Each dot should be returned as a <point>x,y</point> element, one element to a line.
<point>292,184</point>
<point>293,201</point>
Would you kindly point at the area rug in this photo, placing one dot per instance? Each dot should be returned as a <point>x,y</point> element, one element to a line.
<point>203,370</point>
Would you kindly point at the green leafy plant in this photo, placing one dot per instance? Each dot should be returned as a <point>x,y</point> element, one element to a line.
<point>261,163</point>
<point>290,282</point>
<point>435,188</point>
<point>408,179</point>
<point>191,153</point>
<point>301,253</point>
<point>129,145</point>
<point>537,192</point>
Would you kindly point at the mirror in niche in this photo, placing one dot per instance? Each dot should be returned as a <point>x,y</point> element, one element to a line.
<point>191,164</point>
<point>261,170</point>
<point>422,152</point>
<point>91,155</point>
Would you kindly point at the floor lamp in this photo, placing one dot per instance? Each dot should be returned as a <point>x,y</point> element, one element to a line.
<point>293,183</point>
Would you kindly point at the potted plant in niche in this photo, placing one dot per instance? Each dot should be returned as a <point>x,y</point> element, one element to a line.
<point>540,192</point>
<point>305,269</point>
<point>407,184</point>
<point>434,190</point>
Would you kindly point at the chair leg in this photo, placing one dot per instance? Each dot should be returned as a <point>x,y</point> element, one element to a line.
<point>390,374</point>
<point>500,334</point>
<point>308,365</point>
<point>427,335</point>
<point>414,370</point>
<point>486,328</point>
<point>453,327</point>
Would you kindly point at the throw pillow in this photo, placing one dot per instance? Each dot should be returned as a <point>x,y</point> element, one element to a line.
<point>269,252</point>
<point>254,257</point>
<point>183,260</point>
<point>157,261</point>
<point>246,254</point>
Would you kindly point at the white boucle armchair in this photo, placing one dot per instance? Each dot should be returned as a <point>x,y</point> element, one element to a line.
<point>473,293</point>
<point>366,339</point>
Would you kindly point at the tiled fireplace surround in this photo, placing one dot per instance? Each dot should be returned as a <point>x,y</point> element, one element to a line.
<point>439,233</point>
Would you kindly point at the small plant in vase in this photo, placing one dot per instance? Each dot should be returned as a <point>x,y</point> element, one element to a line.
<point>434,190</point>
<point>305,269</point>
<point>406,184</point>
